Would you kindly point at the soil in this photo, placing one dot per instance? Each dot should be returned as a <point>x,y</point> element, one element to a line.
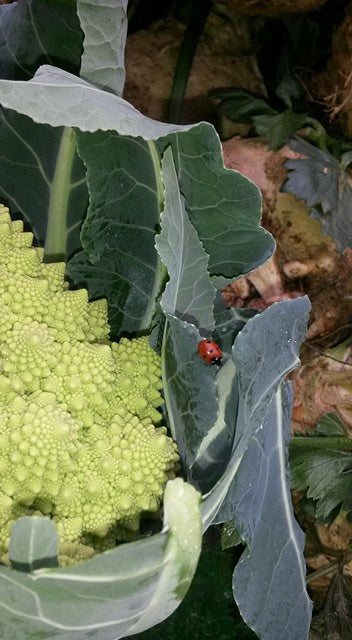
<point>223,58</point>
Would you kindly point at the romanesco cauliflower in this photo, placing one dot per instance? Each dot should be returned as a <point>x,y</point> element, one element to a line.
<point>77,437</point>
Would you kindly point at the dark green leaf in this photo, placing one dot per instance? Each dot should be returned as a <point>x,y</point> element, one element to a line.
<point>41,175</point>
<point>189,294</point>
<point>330,425</point>
<point>289,90</point>
<point>157,330</point>
<point>42,179</point>
<point>322,181</point>
<point>119,260</point>
<point>34,544</point>
<point>240,106</point>
<point>325,474</point>
<point>35,32</point>
<point>189,388</point>
<point>230,536</point>
<point>223,205</point>
<point>278,128</point>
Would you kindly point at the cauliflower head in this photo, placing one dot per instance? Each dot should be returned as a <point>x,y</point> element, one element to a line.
<point>77,435</point>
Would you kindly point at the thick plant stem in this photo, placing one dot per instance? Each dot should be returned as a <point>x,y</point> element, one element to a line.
<point>55,243</point>
<point>320,442</point>
<point>198,17</point>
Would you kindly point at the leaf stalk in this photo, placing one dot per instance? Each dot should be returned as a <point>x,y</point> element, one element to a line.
<point>56,235</point>
<point>320,442</point>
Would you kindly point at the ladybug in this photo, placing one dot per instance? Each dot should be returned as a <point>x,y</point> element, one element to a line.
<point>210,352</point>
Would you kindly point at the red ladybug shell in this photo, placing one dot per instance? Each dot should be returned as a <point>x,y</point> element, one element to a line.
<point>210,352</point>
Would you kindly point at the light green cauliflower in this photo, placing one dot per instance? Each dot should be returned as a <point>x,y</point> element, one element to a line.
<point>77,435</point>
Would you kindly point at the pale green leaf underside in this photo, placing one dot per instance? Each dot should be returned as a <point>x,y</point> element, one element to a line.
<point>263,353</point>
<point>215,448</point>
<point>118,592</point>
<point>34,543</point>
<point>263,512</point>
<point>104,23</point>
<point>58,98</point>
<point>254,489</point>
<point>189,294</point>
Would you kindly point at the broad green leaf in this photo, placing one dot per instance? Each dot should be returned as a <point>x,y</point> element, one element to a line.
<point>118,592</point>
<point>223,205</point>
<point>189,390</point>
<point>189,294</point>
<point>325,474</point>
<point>264,352</point>
<point>58,98</point>
<point>323,181</point>
<point>278,128</point>
<point>33,32</point>
<point>34,544</point>
<point>274,606</point>
<point>104,23</point>
<point>119,260</point>
<point>42,179</point>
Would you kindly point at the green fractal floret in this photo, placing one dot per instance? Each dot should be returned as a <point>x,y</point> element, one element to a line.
<point>77,413</point>
<point>138,378</point>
